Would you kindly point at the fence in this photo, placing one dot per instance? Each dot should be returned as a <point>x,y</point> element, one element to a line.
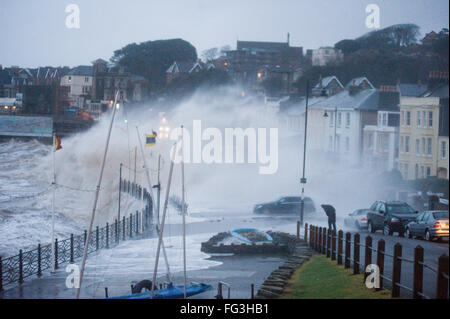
<point>33,262</point>
<point>339,247</point>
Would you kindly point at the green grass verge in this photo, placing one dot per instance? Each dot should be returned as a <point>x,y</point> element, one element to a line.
<point>322,278</point>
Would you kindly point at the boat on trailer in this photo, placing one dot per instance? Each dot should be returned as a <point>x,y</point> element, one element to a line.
<point>170,292</point>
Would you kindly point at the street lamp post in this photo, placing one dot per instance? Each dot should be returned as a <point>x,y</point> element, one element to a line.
<point>303,179</point>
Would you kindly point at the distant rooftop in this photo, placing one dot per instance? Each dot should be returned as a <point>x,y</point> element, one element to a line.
<point>412,89</point>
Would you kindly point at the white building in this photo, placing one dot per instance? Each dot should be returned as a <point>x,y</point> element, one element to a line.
<point>79,80</point>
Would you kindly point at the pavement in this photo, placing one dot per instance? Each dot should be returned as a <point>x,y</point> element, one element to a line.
<point>240,272</point>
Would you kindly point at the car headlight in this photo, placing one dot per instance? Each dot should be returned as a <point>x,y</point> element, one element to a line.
<point>394,220</point>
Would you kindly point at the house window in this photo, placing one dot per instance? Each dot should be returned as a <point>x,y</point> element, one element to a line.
<point>370,140</point>
<point>429,146</point>
<point>443,149</point>
<point>422,172</point>
<point>347,119</point>
<point>347,143</point>
<point>406,144</point>
<point>430,119</point>
<point>417,147</point>
<point>401,144</point>
<point>424,118</point>
<point>402,117</point>
<point>423,145</point>
<point>331,119</point>
<point>86,79</point>
<point>70,79</point>
<point>339,120</point>
<point>406,171</point>
<point>416,171</point>
<point>428,171</point>
<point>418,118</point>
<point>408,118</point>
<point>338,142</point>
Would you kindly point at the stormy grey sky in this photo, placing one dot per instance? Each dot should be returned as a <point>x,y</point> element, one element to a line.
<point>33,32</point>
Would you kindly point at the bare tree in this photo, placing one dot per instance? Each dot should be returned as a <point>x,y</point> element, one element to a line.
<point>210,54</point>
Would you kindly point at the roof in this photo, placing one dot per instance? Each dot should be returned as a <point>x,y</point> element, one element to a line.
<point>358,82</point>
<point>5,77</point>
<point>99,61</point>
<point>412,89</point>
<point>182,66</point>
<point>327,80</point>
<point>267,46</point>
<point>83,70</point>
<point>441,92</point>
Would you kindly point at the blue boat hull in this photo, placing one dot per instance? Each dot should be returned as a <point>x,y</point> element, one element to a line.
<point>171,292</point>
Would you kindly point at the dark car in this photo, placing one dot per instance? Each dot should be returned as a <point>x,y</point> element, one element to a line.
<point>429,225</point>
<point>285,205</point>
<point>390,217</point>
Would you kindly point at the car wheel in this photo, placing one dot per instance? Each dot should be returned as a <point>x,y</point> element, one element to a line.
<point>371,228</point>
<point>428,237</point>
<point>408,233</point>
<point>387,230</point>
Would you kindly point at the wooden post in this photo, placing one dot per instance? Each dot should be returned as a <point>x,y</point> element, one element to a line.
<point>20,266</point>
<point>298,231</point>
<point>56,253</point>
<point>116,228</point>
<point>333,245</point>
<point>418,272</point>
<point>397,270</point>
<point>106,292</point>
<point>442,278</point>
<point>39,270</point>
<point>328,242</point>
<point>252,295</point>
<point>306,232</point>
<point>71,248</point>
<point>310,235</point>
<point>319,244</point>
<point>339,253</point>
<point>348,238</point>
<point>356,254</point>
<point>1,274</point>
<point>107,235</point>
<point>124,227</point>
<point>96,238</point>
<point>324,240</point>
<point>367,255</point>
<point>380,260</point>
<point>131,225</point>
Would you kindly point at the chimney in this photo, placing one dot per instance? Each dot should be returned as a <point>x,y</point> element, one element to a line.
<point>288,38</point>
<point>1,67</point>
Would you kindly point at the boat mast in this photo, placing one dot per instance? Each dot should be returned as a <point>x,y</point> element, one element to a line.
<point>86,246</point>
<point>163,220</point>
<point>183,208</point>
<point>153,201</point>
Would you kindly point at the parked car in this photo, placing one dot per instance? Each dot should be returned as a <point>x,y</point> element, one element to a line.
<point>357,218</point>
<point>285,205</point>
<point>429,225</point>
<point>390,217</point>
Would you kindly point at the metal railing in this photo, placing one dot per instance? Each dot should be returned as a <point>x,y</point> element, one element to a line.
<point>323,240</point>
<point>16,268</point>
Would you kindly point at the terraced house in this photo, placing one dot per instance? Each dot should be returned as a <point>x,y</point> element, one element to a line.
<point>423,144</point>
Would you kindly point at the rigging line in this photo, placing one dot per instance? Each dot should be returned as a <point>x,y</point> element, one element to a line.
<point>26,196</point>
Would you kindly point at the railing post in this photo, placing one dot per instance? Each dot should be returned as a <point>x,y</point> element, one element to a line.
<point>324,240</point>
<point>96,238</point>
<point>333,244</point>
<point>306,232</point>
<point>418,272</point>
<point>137,222</point>
<point>442,278</point>
<point>310,235</point>
<point>252,289</point>
<point>298,231</point>
<point>380,261</point>
<point>328,242</point>
<point>107,235</point>
<point>348,238</point>
<point>116,227</point>
<point>397,270</point>
<point>71,248</point>
<point>124,228</point>
<point>339,253</point>
<point>56,253</point>
<point>20,266</point>
<point>367,255</point>
<point>356,254</point>
<point>1,274</point>
<point>131,225</point>
<point>320,240</point>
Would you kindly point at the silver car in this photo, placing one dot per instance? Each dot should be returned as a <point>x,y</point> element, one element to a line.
<point>429,225</point>
<point>357,218</point>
